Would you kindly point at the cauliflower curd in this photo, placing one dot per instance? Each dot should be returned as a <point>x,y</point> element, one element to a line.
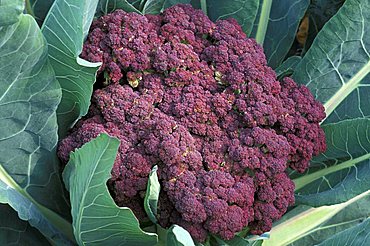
<point>197,99</point>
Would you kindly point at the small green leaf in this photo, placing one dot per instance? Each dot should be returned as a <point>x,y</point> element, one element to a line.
<point>244,11</point>
<point>152,195</point>
<point>236,241</point>
<point>178,236</point>
<point>287,67</point>
<point>65,29</point>
<point>18,232</point>
<point>96,218</point>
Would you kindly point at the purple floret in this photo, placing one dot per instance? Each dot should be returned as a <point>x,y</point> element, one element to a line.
<point>197,99</point>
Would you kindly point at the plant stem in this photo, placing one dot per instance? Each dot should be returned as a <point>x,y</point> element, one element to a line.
<point>203,6</point>
<point>263,21</point>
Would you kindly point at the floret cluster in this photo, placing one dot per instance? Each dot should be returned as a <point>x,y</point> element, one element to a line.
<point>197,99</point>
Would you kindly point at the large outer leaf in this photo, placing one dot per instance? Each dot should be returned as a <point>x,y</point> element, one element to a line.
<point>244,11</point>
<point>51,225</point>
<point>309,226</point>
<point>65,28</point>
<point>276,25</point>
<point>342,171</point>
<point>319,12</point>
<point>283,22</point>
<point>29,95</point>
<point>157,6</point>
<point>10,11</point>
<point>338,62</point>
<point>17,232</point>
<point>39,9</point>
<point>357,235</point>
<point>348,217</point>
<point>96,218</point>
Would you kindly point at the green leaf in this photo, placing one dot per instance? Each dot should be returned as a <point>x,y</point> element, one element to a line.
<point>39,9</point>
<point>10,11</point>
<point>29,96</point>
<point>244,11</point>
<point>276,28</point>
<point>349,216</point>
<point>342,171</point>
<point>18,232</point>
<point>178,236</point>
<point>287,67</point>
<point>236,241</point>
<point>157,6</point>
<point>138,4</point>
<point>304,226</point>
<point>319,12</point>
<point>108,6</point>
<point>356,235</point>
<point>283,22</point>
<point>336,66</point>
<point>65,29</point>
<point>96,218</point>
<point>152,195</point>
<point>51,225</point>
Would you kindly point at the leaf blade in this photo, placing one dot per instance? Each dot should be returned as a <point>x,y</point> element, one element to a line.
<point>356,235</point>
<point>282,28</point>
<point>340,56</point>
<point>65,29</point>
<point>29,96</point>
<point>18,232</point>
<point>96,218</point>
<point>244,11</point>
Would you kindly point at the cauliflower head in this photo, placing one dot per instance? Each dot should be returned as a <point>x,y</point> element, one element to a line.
<point>197,99</point>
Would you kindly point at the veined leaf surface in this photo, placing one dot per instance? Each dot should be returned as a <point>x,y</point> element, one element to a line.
<point>65,29</point>
<point>96,218</point>
<point>337,65</point>
<point>275,29</point>
<point>342,171</point>
<point>17,232</point>
<point>29,95</point>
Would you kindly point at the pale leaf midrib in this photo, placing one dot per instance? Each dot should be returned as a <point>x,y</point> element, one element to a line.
<point>346,89</point>
<point>263,21</point>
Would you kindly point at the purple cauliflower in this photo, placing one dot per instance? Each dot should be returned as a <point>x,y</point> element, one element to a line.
<point>197,99</point>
